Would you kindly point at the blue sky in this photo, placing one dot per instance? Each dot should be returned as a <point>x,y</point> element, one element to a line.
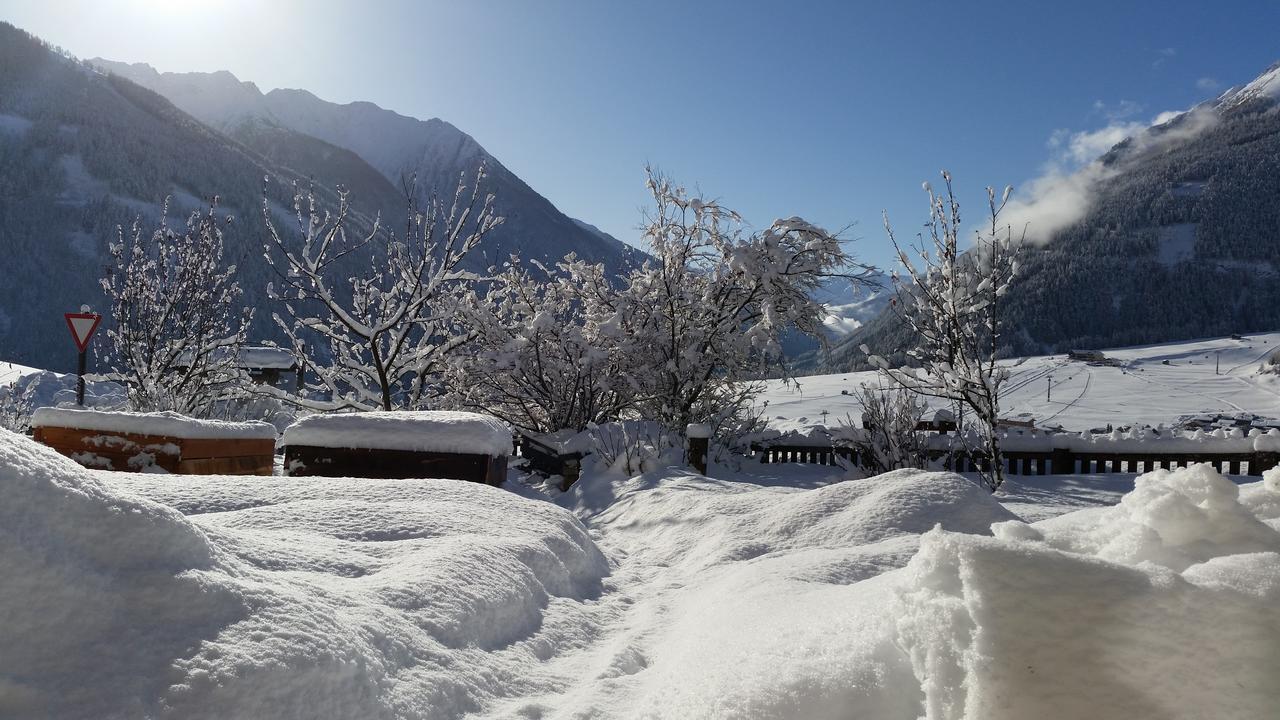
<point>828,110</point>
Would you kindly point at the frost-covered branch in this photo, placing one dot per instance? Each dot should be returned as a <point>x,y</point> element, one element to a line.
<point>709,307</point>
<point>177,325</point>
<point>385,333</point>
<point>951,300</point>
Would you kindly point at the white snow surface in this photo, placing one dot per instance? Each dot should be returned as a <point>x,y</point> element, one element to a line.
<point>1141,390</point>
<point>768,593</point>
<point>1164,606</point>
<point>165,424</point>
<point>440,431</point>
<point>276,598</point>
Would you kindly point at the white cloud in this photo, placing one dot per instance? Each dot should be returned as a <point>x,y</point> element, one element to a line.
<point>1207,84</point>
<point>1117,110</point>
<point>1065,189</point>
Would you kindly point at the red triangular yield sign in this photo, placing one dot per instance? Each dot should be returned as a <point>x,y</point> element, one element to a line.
<point>82,326</point>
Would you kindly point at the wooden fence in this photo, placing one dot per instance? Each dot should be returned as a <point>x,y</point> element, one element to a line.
<point>546,459</point>
<point>1046,462</point>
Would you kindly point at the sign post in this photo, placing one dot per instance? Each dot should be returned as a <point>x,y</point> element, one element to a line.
<point>82,326</point>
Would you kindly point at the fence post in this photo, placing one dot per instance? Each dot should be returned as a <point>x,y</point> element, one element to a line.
<point>569,473</point>
<point>1064,461</point>
<point>1263,461</point>
<point>699,437</point>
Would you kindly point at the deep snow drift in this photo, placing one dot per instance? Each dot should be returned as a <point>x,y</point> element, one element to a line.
<point>1165,606</point>
<point>669,595</point>
<point>275,598</point>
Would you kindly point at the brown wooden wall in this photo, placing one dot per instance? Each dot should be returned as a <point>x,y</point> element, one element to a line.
<point>203,456</point>
<point>309,460</point>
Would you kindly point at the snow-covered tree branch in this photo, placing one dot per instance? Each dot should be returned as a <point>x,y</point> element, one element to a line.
<point>177,324</point>
<point>547,354</point>
<point>952,301</point>
<point>708,308</point>
<point>385,333</point>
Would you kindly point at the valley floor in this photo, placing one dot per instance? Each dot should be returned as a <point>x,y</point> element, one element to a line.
<point>1212,375</point>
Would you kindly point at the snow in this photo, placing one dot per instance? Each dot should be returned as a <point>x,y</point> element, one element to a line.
<point>164,424</point>
<point>1265,86</point>
<point>262,357</point>
<point>1141,390</point>
<point>422,431</point>
<point>276,598</point>
<point>1163,606</point>
<point>698,430</point>
<point>14,124</point>
<point>50,388</point>
<point>1177,243</point>
<point>775,591</point>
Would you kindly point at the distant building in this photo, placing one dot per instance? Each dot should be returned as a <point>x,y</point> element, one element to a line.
<point>273,366</point>
<point>1086,355</point>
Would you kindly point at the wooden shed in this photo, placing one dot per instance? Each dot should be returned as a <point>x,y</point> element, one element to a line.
<point>162,441</point>
<point>399,444</point>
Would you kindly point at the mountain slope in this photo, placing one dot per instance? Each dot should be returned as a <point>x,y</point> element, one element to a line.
<point>82,154</point>
<point>398,147</point>
<point>1181,240</point>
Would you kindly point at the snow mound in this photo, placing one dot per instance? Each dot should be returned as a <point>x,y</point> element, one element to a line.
<point>762,602</point>
<point>1171,518</point>
<point>420,431</point>
<point>707,521</point>
<point>327,598</point>
<point>99,590</point>
<point>1163,606</point>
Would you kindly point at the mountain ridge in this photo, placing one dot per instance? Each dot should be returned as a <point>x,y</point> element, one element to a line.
<point>1181,239</point>
<point>432,151</point>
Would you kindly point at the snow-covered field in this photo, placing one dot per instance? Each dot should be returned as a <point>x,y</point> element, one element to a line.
<point>1053,390</point>
<point>771,593</point>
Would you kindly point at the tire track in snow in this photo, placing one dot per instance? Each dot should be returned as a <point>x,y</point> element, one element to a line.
<point>1088,380</point>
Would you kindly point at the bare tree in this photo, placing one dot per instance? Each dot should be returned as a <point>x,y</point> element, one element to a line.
<point>387,331</point>
<point>177,323</point>
<point>890,438</point>
<point>952,300</point>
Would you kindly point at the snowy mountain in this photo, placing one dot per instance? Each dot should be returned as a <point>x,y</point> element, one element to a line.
<point>1180,239</point>
<point>396,146</point>
<point>83,152</point>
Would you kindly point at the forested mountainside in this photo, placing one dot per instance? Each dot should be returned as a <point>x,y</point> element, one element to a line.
<point>398,147</point>
<point>81,154</point>
<point>1181,240</point>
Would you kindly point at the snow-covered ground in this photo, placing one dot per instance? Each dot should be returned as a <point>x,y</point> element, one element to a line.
<point>766,591</point>
<point>1053,390</point>
<point>771,592</point>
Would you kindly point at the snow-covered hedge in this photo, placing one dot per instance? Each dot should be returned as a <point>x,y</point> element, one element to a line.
<point>420,431</point>
<point>164,424</point>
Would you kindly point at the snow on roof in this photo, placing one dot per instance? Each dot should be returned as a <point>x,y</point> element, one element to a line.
<point>167,424</point>
<point>267,358</point>
<point>441,431</point>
